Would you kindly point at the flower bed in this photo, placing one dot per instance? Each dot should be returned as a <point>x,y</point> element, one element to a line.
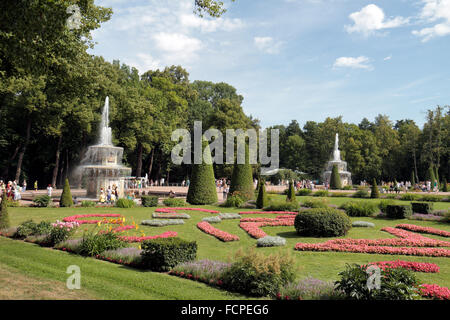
<point>162,223</point>
<point>269,241</point>
<point>225,216</point>
<point>254,228</point>
<point>435,292</point>
<point>167,234</point>
<point>408,244</point>
<point>129,256</point>
<point>268,212</point>
<point>173,210</point>
<point>206,271</point>
<point>214,219</point>
<point>170,215</point>
<point>76,218</point>
<point>219,234</point>
<point>410,265</point>
<point>429,230</point>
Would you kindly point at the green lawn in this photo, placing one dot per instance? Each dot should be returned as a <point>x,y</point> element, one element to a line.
<point>106,280</point>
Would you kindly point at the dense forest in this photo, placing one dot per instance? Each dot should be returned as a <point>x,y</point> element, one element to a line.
<point>52,93</point>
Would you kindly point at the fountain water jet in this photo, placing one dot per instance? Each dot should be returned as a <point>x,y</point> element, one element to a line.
<point>102,166</point>
<point>346,177</point>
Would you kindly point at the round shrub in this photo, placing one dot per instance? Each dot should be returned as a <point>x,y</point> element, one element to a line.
<point>125,203</point>
<point>304,192</point>
<point>322,222</point>
<point>42,201</point>
<point>149,201</point>
<point>235,200</point>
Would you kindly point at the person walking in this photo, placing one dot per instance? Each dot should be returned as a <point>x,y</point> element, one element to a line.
<point>49,190</point>
<point>24,186</point>
<point>35,185</point>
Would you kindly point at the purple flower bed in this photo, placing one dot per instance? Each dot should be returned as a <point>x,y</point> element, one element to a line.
<point>309,289</point>
<point>208,271</point>
<point>427,217</point>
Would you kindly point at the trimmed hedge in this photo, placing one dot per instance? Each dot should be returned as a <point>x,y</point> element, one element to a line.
<point>398,211</point>
<point>321,193</point>
<point>125,203</point>
<point>164,254</point>
<point>262,200</point>
<point>42,201</point>
<point>202,189</point>
<point>149,201</point>
<point>374,194</point>
<point>422,207</point>
<point>291,193</point>
<point>282,206</point>
<point>335,179</point>
<point>174,202</point>
<point>304,192</point>
<point>360,208</point>
<point>322,223</point>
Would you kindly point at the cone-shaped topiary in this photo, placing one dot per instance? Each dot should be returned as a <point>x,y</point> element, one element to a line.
<point>291,193</point>
<point>335,179</point>
<point>375,192</point>
<point>242,178</point>
<point>262,200</point>
<point>66,196</point>
<point>202,189</point>
<point>4,218</point>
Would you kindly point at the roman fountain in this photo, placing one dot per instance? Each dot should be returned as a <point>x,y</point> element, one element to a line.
<point>102,165</point>
<point>346,177</point>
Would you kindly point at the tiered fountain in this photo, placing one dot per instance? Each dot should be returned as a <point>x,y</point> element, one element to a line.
<point>102,166</point>
<point>346,177</point>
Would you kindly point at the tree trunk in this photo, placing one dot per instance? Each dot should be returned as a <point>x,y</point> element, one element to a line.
<point>66,174</point>
<point>139,161</point>
<point>415,165</point>
<point>56,168</point>
<point>5,171</point>
<point>24,149</point>
<point>151,164</point>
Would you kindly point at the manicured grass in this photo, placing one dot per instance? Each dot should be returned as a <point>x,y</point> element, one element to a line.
<point>106,280</point>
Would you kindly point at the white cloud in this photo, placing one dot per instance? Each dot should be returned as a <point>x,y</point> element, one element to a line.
<point>268,44</point>
<point>144,62</point>
<point>177,46</point>
<point>371,19</point>
<point>210,25</point>
<point>388,58</point>
<point>360,62</point>
<point>433,11</point>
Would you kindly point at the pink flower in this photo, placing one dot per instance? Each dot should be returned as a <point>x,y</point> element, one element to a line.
<point>219,234</point>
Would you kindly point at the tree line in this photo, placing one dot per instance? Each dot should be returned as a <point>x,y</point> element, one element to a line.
<point>52,93</point>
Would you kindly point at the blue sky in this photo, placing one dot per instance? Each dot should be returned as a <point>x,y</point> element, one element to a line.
<point>296,59</point>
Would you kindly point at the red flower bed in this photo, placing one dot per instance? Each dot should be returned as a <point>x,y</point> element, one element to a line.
<point>254,228</point>
<point>219,234</point>
<point>124,228</point>
<point>78,216</point>
<point>410,265</point>
<point>408,244</point>
<point>434,291</point>
<point>268,212</point>
<point>429,230</point>
<point>167,234</point>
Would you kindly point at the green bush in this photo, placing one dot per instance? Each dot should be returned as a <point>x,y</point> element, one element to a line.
<point>291,193</point>
<point>256,274</point>
<point>316,203</point>
<point>363,193</point>
<point>262,200</point>
<point>66,196</point>
<point>164,254</point>
<point>384,203</point>
<point>125,203</point>
<point>375,192</point>
<point>391,196</point>
<point>174,202</point>
<point>321,193</point>
<point>422,207</point>
<point>395,284</point>
<point>322,223</point>
<point>4,217</point>
<point>234,201</point>
<point>360,208</point>
<point>57,235</point>
<point>431,198</point>
<point>242,178</point>
<point>94,243</point>
<point>335,178</point>
<point>348,187</point>
<point>282,206</point>
<point>88,203</point>
<point>304,192</point>
<point>202,189</point>
<point>42,201</point>
<point>398,211</point>
<point>409,197</point>
<point>149,201</point>
<point>31,228</point>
